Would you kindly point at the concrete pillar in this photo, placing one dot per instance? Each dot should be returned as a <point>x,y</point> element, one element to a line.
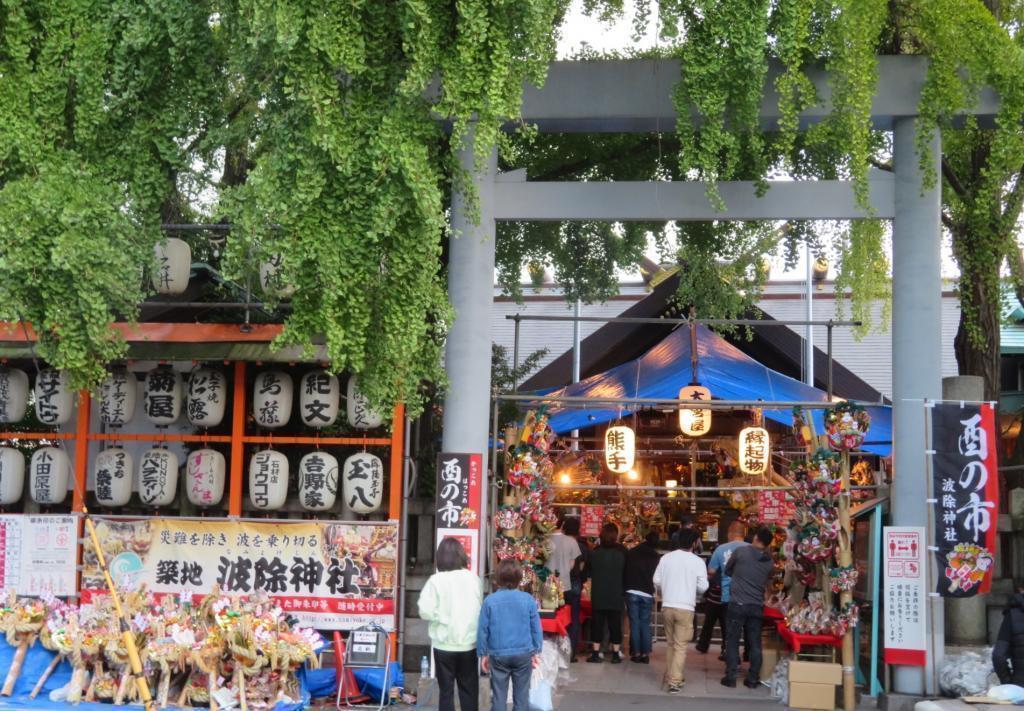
<point>966,618</point>
<point>916,350</point>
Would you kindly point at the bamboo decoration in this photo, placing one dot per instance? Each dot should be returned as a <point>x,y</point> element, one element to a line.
<point>845,560</point>
<point>22,622</point>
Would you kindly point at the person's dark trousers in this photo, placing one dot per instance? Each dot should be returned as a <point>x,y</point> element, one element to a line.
<point>745,620</point>
<point>639,609</point>
<point>714,614</point>
<point>518,668</point>
<point>572,599</point>
<point>460,667</point>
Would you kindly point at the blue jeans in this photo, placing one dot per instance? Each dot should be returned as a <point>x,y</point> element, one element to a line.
<point>745,620</point>
<point>639,609</point>
<point>519,668</point>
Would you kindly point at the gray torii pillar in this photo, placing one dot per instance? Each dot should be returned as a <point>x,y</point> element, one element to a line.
<point>916,352</point>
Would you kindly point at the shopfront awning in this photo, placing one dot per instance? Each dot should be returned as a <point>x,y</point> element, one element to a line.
<point>729,373</point>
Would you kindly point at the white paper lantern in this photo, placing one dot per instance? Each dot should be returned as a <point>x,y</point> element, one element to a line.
<point>318,481</point>
<point>271,279</point>
<point>158,477</point>
<point>205,474</point>
<point>619,449</point>
<point>49,474</point>
<point>363,482</point>
<point>319,399</point>
<point>113,469</point>
<point>162,397</point>
<point>13,394</point>
<point>207,397</point>
<point>268,479</point>
<point>12,475</point>
<point>173,266</point>
<point>54,399</point>
<point>755,451</point>
<point>118,394</point>
<point>692,422</point>
<point>272,399</point>
<point>358,409</point>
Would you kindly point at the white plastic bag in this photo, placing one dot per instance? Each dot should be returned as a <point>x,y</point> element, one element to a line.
<point>540,697</point>
<point>966,673</point>
<point>1007,692</point>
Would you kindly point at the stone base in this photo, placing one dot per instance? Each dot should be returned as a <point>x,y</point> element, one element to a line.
<point>899,702</point>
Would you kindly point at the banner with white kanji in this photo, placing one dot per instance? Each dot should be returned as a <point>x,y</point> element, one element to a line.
<point>966,486</point>
<point>459,491</point>
<point>329,575</point>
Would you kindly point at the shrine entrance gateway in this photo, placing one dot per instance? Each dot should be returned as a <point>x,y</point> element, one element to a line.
<point>634,96</point>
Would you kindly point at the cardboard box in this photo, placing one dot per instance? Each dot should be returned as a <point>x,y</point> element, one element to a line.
<point>769,660</point>
<point>815,673</point>
<point>805,695</point>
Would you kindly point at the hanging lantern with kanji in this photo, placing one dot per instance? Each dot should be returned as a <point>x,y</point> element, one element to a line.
<point>161,399</point>
<point>54,399</point>
<point>268,480</point>
<point>319,398</point>
<point>205,474</point>
<point>271,278</point>
<point>12,475</point>
<point>49,474</point>
<point>695,422</point>
<point>357,407</point>
<point>206,397</point>
<point>172,267</point>
<point>113,470</point>
<point>318,481</point>
<point>13,394</point>
<point>118,394</point>
<point>755,449</point>
<point>619,449</point>
<point>363,482</point>
<point>158,477</point>
<point>272,399</point>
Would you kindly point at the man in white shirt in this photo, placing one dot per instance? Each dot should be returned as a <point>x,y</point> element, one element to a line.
<point>681,576</point>
<point>565,556</point>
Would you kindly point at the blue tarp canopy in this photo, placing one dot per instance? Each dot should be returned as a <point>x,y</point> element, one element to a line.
<point>728,372</point>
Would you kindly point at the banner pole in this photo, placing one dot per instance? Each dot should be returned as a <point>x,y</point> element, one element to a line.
<point>930,684</point>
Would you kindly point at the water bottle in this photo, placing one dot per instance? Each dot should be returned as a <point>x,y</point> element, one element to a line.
<point>425,689</point>
<point>424,668</point>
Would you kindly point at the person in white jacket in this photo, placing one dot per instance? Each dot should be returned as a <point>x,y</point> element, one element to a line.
<point>681,577</point>
<point>451,601</point>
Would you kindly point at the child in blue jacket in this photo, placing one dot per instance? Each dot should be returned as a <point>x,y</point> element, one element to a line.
<point>509,638</point>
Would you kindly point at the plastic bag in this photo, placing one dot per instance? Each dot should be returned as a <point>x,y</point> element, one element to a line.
<point>966,673</point>
<point>540,697</point>
<point>1007,692</point>
<point>779,684</point>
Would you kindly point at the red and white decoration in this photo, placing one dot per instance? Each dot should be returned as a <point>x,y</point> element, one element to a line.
<point>205,475</point>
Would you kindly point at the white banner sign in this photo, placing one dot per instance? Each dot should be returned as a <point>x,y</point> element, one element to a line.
<point>38,554</point>
<point>905,595</point>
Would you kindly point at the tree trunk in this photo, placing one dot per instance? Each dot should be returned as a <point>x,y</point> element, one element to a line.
<point>979,358</point>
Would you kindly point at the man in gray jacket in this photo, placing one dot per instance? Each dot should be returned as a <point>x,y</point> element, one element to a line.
<point>750,567</point>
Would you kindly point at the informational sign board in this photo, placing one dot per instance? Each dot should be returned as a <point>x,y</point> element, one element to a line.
<point>459,489</point>
<point>328,575</point>
<point>905,595</point>
<point>775,507</point>
<point>591,518</point>
<point>366,648</point>
<point>38,554</point>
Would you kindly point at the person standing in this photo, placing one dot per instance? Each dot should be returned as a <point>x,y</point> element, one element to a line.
<point>566,560</point>
<point>749,568</point>
<point>641,562</point>
<point>450,602</point>
<point>509,640</point>
<point>606,567</point>
<point>714,613</point>
<point>1008,654</point>
<point>716,569</point>
<point>681,576</point>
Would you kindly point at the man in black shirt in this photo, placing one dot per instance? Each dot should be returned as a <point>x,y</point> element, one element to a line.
<point>749,568</point>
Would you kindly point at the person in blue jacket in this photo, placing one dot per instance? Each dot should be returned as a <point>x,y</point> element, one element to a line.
<point>509,638</point>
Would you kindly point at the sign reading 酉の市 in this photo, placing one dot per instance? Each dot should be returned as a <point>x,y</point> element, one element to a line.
<point>458,502</point>
<point>966,493</point>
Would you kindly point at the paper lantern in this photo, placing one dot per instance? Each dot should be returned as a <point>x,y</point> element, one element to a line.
<point>755,451</point>
<point>619,449</point>
<point>271,279</point>
<point>118,395</point>
<point>162,397</point>
<point>173,266</point>
<point>158,477</point>
<point>363,482</point>
<point>206,398</point>
<point>268,479</point>
<point>13,394</point>
<point>319,398</point>
<point>671,484</point>
<point>358,409</point>
<point>692,422</point>
<point>113,468</point>
<point>272,399</point>
<point>318,481</point>
<point>54,400</point>
<point>205,474</point>
<point>49,474</point>
<point>12,475</point>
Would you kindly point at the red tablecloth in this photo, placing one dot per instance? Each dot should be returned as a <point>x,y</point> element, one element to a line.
<point>559,624</point>
<point>770,613</point>
<point>796,642</point>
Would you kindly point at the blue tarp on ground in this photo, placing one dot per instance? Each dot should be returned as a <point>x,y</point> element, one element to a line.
<point>728,372</point>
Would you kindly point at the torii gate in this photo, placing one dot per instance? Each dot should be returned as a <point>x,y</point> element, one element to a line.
<point>635,96</point>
